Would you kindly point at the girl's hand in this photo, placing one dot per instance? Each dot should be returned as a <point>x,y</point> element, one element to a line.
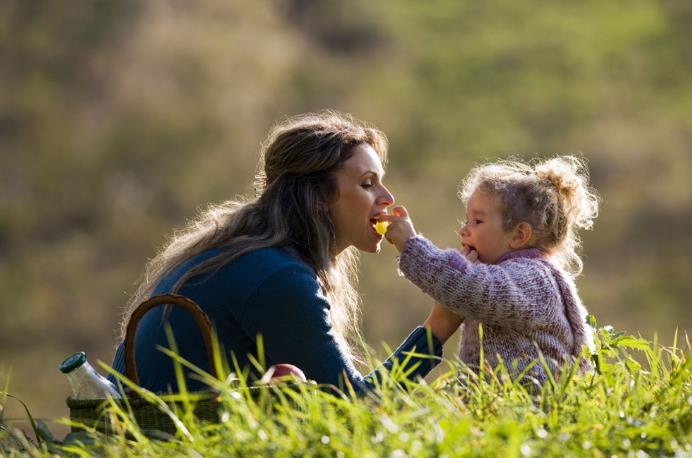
<point>442,322</point>
<point>400,227</point>
<point>471,255</point>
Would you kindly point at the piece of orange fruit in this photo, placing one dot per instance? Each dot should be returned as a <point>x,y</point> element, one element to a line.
<point>381,227</point>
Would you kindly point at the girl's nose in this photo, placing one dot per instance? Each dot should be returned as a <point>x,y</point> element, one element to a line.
<point>463,230</point>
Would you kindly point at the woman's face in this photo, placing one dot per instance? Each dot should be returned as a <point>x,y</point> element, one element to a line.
<point>361,199</point>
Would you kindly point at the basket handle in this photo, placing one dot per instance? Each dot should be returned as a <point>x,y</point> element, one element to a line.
<point>175,299</point>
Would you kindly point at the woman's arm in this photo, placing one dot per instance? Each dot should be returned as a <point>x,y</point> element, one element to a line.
<point>292,315</point>
<point>443,322</point>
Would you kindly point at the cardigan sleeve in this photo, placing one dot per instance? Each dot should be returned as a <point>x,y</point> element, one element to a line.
<point>514,293</point>
<point>292,317</point>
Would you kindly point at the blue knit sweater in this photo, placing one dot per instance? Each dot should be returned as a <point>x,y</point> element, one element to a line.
<point>266,292</point>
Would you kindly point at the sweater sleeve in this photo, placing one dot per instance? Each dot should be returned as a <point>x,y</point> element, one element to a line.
<point>514,293</point>
<point>292,315</point>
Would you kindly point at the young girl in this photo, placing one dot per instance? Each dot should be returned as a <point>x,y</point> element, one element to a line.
<point>515,271</point>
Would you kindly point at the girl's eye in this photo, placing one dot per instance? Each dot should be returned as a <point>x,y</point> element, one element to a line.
<point>477,221</point>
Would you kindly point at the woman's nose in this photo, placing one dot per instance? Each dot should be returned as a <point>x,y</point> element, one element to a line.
<point>385,198</point>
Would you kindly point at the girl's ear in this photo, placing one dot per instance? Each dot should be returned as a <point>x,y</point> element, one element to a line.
<point>521,236</point>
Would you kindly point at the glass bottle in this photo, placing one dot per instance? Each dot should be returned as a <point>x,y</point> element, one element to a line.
<point>85,382</point>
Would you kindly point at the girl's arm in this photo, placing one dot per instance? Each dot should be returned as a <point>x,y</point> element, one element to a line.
<point>514,293</point>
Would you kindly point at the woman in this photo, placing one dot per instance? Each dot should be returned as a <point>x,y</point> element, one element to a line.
<point>280,265</point>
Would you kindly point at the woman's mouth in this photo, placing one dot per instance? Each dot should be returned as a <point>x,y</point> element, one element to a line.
<point>380,227</point>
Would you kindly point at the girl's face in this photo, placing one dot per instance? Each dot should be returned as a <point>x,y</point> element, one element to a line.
<point>361,199</point>
<point>483,230</point>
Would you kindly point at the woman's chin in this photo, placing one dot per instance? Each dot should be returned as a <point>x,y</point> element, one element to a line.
<point>372,246</point>
<point>371,242</point>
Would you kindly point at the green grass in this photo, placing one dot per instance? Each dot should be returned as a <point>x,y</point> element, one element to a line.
<point>638,403</point>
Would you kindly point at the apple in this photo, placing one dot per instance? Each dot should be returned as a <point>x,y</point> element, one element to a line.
<point>283,372</point>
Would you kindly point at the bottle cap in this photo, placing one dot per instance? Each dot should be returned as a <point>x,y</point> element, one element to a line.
<point>72,362</point>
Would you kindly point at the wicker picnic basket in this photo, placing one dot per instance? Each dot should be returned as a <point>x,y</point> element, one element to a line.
<point>90,412</point>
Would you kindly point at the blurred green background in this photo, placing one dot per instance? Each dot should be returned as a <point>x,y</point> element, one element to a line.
<point>121,119</point>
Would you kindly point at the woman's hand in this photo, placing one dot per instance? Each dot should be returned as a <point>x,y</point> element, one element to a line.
<point>400,227</point>
<point>442,322</point>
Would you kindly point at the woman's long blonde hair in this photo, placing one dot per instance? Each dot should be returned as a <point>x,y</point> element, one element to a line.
<point>295,183</point>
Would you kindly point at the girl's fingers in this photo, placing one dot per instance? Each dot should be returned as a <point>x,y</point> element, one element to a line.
<point>400,211</point>
<point>471,255</point>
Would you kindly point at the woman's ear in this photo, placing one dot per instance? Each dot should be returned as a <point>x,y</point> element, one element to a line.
<point>521,236</point>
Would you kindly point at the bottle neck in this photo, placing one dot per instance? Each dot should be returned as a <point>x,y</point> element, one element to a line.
<point>87,383</point>
<point>82,371</point>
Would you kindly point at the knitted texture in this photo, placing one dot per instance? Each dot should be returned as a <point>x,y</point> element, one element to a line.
<point>525,304</point>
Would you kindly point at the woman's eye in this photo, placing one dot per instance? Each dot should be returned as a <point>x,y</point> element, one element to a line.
<point>367,184</point>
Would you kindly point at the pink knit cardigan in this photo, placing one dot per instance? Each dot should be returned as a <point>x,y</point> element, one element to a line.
<point>525,303</point>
